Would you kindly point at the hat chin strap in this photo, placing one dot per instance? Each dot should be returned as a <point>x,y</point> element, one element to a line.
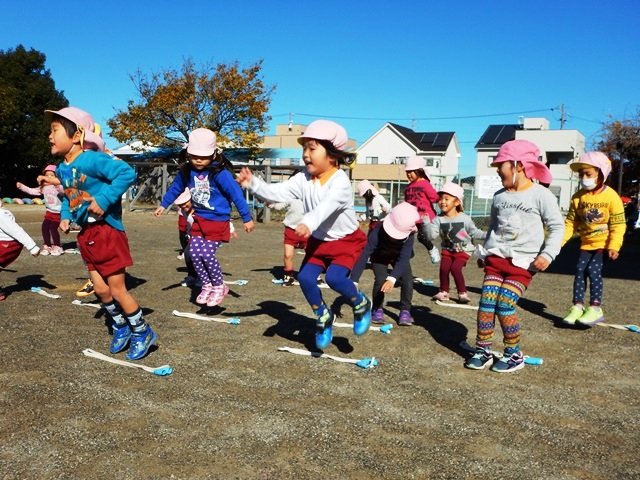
<point>514,181</point>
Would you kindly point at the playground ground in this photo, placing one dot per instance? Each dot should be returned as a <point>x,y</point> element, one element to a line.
<point>236,407</point>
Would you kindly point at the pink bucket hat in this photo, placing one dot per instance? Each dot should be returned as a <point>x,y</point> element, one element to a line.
<point>202,142</point>
<point>528,154</point>
<point>593,159</point>
<point>415,163</point>
<point>184,197</point>
<point>326,130</point>
<point>49,168</point>
<point>91,132</point>
<point>454,190</point>
<point>365,185</point>
<point>401,222</point>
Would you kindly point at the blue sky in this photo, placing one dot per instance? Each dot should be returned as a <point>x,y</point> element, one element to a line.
<point>427,65</point>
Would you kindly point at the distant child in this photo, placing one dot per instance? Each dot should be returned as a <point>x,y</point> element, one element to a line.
<point>208,177</point>
<point>596,213</point>
<point>292,240</point>
<point>12,239</point>
<point>376,205</point>
<point>335,240</point>
<point>457,232</point>
<point>94,183</point>
<point>53,201</point>
<point>191,280</point>
<point>422,195</point>
<point>390,242</point>
<point>524,236</point>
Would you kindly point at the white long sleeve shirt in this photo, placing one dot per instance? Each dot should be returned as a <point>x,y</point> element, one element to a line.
<point>11,231</point>
<point>328,205</point>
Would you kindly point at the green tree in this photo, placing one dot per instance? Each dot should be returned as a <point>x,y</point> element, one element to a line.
<point>26,90</point>
<point>620,140</point>
<point>231,101</point>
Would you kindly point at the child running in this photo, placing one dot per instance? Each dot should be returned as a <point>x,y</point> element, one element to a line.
<point>293,217</point>
<point>422,195</point>
<point>391,244</point>
<point>524,236</point>
<point>12,239</point>
<point>457,232</point>
<point>376,205</point>
<point>596,213</point>
<point>53,202</point>
<point>335,240</point>
<point>207,175</point>
<point>94,183</point>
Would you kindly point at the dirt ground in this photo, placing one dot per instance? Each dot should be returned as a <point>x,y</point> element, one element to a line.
<point>237,408</point>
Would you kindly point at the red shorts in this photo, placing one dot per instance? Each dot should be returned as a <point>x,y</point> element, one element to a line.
<point>182,223</point>
<point>456,255</point>
<point>345,251</point>
<point>213,230</point>
<point>293,239</point>
<point>104,249</point>
<point>494,265</point>
<point>9,251</point>
<point>52,216</point>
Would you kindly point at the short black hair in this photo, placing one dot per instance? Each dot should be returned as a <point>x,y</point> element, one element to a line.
<point>70,127</point>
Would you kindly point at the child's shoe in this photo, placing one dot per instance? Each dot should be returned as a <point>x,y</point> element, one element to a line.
<point>140,343</point>
<point>188,281</point>
<point>463,297</point>
<point>86,290</point>
<point>205,294</point>
<point>56,251</point>
<point>324,330</point>
<point>45,250</point>
<point>442,296</point>
<point>180,256</point>
<point>510,362</point>
<point>121,337</point>
<point>434,253</point>
<point>3,295</point>
<point>481,359</point>
<point>574,314</point>
<point>362,315</point>
<point>377,316</point>
<point>405,318</point>
<point>591,316</point>
<point>289,281</point>
<point>219,292</point>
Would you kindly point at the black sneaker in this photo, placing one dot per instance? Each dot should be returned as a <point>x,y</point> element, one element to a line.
<point>289,281</point>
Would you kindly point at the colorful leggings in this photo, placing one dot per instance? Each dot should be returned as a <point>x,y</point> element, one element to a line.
<point>499,298</point>
<point>590,264</point>
<point>205,262</point>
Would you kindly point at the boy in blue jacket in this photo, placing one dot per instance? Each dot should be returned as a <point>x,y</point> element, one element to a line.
<point>93,183</point>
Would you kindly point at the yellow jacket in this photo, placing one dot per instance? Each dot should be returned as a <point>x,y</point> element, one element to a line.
<point>598,218</point>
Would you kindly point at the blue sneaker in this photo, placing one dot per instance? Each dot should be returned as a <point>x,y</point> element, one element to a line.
<point>481,358</point>
<point>362,316</point>
<point>120,340</point>
<point>324,329</point>
<point>510,362</point>
<point>140,343</point>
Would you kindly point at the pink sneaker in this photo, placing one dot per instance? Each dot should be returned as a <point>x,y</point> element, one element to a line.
<point>205,294</point>
<point>56,251</point>
<point>442,296</point>
<point>463,298</point>
<point>45,250</point>
<point>219,292</point>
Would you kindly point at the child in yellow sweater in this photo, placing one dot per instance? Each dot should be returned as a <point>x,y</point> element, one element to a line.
<point>596,213</point>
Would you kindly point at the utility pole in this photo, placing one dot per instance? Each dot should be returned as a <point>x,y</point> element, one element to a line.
<point>563,117</point>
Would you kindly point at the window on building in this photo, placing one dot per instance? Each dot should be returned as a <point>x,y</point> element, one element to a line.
<point>371,160</point>
<point>430,161</point>
<point>401,160</point>
<point>490,160</point>
<point>559,158</point>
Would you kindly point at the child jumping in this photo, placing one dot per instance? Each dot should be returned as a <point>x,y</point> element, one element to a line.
<point>53,202</point>
<point>12,239</point>
<point>208,177</point>
<point>293,217</point>
<point>457,232</point>
<point>422,195</point>
<point>335,240</point>
<point>391,244</point>
<point>524,236</point>
<point>94,183</point>
<point>596,213</point>
<point>376,205</point>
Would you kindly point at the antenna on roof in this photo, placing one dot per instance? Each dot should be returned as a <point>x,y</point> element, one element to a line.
<point>290,121</point>
<point>520,120</point>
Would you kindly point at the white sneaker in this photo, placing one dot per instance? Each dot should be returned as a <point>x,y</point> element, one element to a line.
<point>434,253</point>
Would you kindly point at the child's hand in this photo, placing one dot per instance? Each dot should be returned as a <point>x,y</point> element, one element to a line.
<point>303,230</point>
<point>64,226</point>
<point>95,208</point>
<point>244,177</point>
<point>248,227</point>
<point>19,185</point>
<point>613,254</point>
<point>158,211</point>
<point>387,286</point>
<point>541,263</point>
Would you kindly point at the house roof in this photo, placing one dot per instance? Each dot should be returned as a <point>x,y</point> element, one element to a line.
<point>425,141</point>
<point>496,135</point>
